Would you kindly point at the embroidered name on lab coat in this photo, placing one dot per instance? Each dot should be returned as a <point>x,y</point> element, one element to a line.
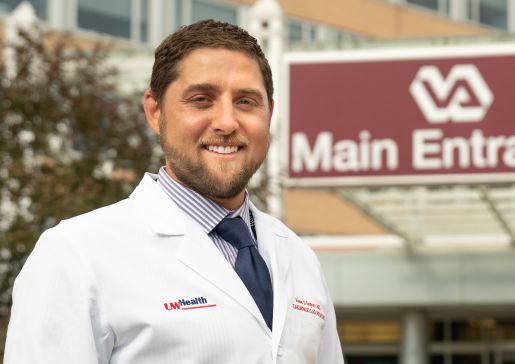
<point>308,307</point>
<point>182,304</point>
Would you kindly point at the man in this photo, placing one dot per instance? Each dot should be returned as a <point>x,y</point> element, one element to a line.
<point>186,270</point>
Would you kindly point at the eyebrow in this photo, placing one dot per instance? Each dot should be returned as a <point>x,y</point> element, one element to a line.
<point>201,87</point>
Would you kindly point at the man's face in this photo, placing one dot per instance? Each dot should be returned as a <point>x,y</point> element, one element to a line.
<point>213,123</point>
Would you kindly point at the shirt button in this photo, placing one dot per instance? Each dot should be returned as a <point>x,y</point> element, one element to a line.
<point>280,351</point>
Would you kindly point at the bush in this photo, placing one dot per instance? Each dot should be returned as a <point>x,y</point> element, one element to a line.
<point>69,142</point>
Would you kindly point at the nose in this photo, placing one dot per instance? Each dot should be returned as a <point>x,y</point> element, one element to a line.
<point>225,121</point>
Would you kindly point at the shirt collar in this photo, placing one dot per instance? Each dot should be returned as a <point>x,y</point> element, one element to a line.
<point>201,209</point>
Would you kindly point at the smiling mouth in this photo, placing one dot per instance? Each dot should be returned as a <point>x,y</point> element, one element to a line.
<point>220,149</point>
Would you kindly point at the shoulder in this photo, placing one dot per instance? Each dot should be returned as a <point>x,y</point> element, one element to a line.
<point>84,231</point>
<point>104,216</point>
<point>119,216</point>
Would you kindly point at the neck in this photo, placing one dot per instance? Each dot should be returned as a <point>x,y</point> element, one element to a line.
<point>230,203</point>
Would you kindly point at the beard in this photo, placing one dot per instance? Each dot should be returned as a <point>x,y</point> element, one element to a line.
<point>203,178</point>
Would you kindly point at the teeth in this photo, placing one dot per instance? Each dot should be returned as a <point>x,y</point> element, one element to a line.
<point>221,149</point>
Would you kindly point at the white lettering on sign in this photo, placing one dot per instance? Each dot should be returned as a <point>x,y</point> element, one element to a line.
<point>424,147</point>
<point>344,155</point>
<point>311,159</point>
<point>432,151</point>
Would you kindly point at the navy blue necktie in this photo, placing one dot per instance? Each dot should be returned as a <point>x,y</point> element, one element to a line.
<point>250,266</point>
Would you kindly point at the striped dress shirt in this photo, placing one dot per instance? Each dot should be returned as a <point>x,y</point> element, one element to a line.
<point>206,212</point>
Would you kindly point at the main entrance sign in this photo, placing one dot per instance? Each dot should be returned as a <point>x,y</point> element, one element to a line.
<point>434,115</point>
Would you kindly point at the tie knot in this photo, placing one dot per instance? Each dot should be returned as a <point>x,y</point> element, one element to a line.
<point>235,232</point>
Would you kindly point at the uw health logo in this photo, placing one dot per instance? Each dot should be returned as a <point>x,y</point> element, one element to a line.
<point>182,304</point>
<point>462,97</point>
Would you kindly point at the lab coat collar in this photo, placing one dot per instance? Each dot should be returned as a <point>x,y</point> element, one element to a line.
<point>157,209</point>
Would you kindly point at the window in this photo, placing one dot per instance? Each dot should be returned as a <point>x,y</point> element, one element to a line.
<point>208,10</point>
<point>366,332</point>
<point>431,4</point>
<point>371,359</point>
<point>111,17</point>
<point>294,31</point>
<point>472,340</point>
<point>494,13</point>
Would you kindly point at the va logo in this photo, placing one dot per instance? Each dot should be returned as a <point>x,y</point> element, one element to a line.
<point>462,97</point>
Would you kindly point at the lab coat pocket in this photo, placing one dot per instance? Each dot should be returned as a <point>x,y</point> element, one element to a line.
<point>301,337</point>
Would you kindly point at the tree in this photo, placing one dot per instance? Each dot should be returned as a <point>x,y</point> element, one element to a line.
<point>69,142</point>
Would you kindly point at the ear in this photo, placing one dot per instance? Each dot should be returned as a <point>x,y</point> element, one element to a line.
<point>152,110</point>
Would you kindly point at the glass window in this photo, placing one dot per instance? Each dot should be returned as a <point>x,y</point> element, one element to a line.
<point>39,6</point>
<point>466,330</point>
<point>494,13</point>
<point>431,4</point>
<point>503,330</point>
<point>437,331</point>
<point>205,10</point>
<point>437,359</point>
<point>111,17</point>
<point>312,33</point>
<point>363,332</point>
<point>371,359</point>
<point>294,31</point>
<point>466,359</point>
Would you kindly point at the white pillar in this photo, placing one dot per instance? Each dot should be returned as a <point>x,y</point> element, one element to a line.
<point>156,21</point>
<point>414,338</point>
<point>458,10</point>
<point>511,16</point>
<point>136,18</point>
<point>55,13</point>
<point>266,24</point>
<point>62,14</point>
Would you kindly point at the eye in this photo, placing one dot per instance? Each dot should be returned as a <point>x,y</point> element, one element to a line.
<point>245,101</point>
<point>201,101</point>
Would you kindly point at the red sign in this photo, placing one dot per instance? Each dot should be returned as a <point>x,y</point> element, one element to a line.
<point>435,115</point>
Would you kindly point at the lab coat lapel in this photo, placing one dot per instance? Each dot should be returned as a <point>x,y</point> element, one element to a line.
<point>199,253</point>
<point>272,245</point>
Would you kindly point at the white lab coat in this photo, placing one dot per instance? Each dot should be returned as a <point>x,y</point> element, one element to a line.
<point>101,288</point>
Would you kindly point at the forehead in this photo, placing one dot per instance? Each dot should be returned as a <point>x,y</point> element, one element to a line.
<point>218,64</point>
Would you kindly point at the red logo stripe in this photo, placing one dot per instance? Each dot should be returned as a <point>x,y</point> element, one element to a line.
<point>193,307</point>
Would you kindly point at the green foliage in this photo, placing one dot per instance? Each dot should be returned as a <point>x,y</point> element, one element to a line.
<point>69,142</point>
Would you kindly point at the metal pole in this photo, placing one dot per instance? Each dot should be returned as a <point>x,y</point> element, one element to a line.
<point>266,24</point>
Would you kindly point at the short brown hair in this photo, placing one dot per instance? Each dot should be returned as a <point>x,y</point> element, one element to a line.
<point>204,34</point>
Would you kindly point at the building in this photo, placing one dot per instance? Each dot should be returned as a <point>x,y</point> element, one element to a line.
<point>419,273</point>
